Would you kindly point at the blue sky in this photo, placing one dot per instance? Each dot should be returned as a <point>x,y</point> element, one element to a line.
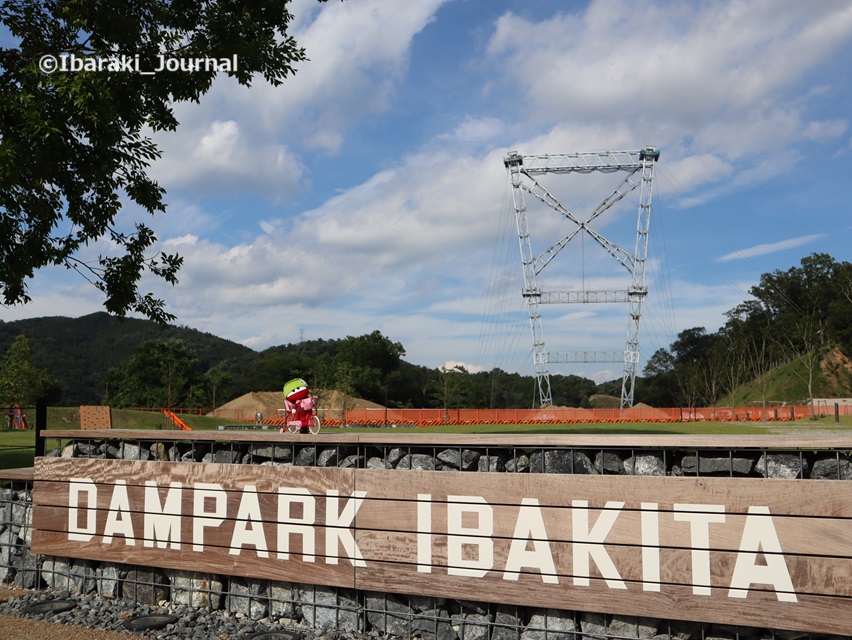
<point>368,191</point>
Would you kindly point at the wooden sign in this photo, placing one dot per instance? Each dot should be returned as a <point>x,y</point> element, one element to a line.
<point>758,552</point>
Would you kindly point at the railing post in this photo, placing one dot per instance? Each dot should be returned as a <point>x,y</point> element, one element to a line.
<point>40,426</point>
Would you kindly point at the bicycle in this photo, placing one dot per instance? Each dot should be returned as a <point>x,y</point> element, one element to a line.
<point>303,418</point>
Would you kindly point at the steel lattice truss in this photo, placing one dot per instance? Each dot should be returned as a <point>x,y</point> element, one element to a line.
<point>638,167</point>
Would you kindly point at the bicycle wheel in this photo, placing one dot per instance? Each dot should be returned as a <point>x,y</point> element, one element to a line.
<point>293,426</point>
<point>314,425</point>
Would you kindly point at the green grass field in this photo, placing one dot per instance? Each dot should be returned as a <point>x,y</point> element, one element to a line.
<point>17,448</point>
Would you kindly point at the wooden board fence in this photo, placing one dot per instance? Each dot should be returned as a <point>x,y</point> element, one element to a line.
<point>758,552</point>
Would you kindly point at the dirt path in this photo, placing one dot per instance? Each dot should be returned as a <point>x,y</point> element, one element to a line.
<point>14,628</point>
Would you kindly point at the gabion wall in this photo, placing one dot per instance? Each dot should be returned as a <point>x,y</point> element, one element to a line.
<point>293,605</point>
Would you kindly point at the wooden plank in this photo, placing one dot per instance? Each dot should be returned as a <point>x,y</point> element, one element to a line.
<point>800,535</point>
<point>624,570</point>
<point>811,613</point>
<point>330,436</point>
<point>22,474</point>
<point>794,497</point>
<point>261,521</point>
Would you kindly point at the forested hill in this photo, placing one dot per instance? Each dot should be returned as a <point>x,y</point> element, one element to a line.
<point>794,326</point>
<point>79,351</point>
<point>139,363</point>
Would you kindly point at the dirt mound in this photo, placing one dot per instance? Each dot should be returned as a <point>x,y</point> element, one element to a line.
<point>601,401</point>
<point>269,402</point>
<point>837,372</point>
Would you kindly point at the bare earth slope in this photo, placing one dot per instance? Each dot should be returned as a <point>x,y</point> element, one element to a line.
<point>269,402</point>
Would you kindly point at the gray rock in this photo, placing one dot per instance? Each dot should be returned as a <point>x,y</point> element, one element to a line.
<point>464,459</point>
<point>84,577</point>
<point>159,451</point>
<point>394,455</point>
<point>520,464</point>
<point>491,464</point>
<point>196,452</point>
<point>608,463</point>
<point>631,627</point>
<point>352,461</point>
<point>716,465</point>
<point>88,449</point>
<point>327,458</point>
<point>472,626</point>
<point>145,586</point>
<point>322,608</point>
<point>507,624</point>
<point>685,630</point>
<point>306,457</point>
<point>56,572</point>
<point>417,462</point>
<point>223,455</point>
<point>388,615</point>
<point>282,600</point>
<point>550,624</point>
<point>128,451</point>
<point>833,468</point>
<point>27,567</point>
<point>280,453</point>
<point>107,576</point>
<point>197,590</point>
<point>249,598</point>
<point>434,624</point>
<point>645,465</point>
<point>563,461</point>
<point>593,626</point>
<point>9,548</point>
<point>378,463</point>
<point>781,465</point>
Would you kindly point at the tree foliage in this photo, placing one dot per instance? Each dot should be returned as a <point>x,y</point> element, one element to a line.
<point>73,145</point>
<point>160,374</point>
<point>20,381</point>
<point>794,314</point>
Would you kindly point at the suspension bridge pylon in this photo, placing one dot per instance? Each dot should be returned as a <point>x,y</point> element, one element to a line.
<point>638,167</point>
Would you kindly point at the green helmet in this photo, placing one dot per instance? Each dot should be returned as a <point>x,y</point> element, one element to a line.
<point>296,388</point>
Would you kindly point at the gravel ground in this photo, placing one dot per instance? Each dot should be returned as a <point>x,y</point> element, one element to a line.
<point>96,618</point>
<point>14,627</point>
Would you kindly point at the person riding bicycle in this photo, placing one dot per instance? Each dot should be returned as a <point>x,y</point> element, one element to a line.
<point>299,403</point>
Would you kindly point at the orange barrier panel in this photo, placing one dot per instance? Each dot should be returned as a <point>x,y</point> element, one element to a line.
<point>17,419</point>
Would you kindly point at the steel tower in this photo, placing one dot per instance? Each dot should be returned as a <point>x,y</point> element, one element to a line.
<point>639,167</point>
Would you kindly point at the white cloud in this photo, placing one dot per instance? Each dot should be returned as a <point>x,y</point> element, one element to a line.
<point>418,238</point>
<point>240,140</point>
<point>452,365</point>
<point>219,157</point>
<point>772,247</point>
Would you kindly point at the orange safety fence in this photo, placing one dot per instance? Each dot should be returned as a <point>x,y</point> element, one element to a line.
<point>437,417</point>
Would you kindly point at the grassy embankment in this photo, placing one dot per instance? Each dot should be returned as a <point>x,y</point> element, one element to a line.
<point>17,448</point>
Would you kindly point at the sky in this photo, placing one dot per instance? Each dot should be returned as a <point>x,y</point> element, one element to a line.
<point>368,191</point>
